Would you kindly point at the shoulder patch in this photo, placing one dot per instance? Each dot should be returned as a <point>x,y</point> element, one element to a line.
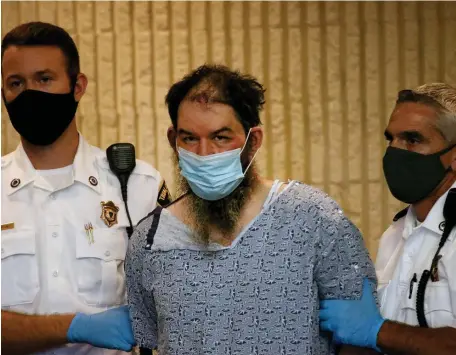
<point>400,214</point>
<point>164,196</point>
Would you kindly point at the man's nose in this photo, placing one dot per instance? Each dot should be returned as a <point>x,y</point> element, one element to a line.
<point>31,85</point>
<point>204,148</point>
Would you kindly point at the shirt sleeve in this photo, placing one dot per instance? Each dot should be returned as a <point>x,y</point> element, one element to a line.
<point>140,301</point>
<point>343,260</point>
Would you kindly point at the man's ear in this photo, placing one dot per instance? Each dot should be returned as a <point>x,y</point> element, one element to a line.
<point>256,140</point>
<point>453,160</point>
<point>80,86</point>
<point>172,137</point>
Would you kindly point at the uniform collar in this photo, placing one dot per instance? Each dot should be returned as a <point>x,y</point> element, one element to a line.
<point>84,166</point>
<point>22,172</point>
<point>434,220</point>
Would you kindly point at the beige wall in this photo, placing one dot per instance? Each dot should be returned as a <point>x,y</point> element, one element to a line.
<point>332,71</point>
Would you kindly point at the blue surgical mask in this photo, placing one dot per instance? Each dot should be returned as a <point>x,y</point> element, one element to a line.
<point>213,177</point>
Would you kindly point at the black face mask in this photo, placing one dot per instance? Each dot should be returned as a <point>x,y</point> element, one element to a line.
<point>41,117</point>
<point>411,176</point>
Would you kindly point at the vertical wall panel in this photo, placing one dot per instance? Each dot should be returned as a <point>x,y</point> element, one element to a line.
<point>293,74</point>
<point>449,43</point>
<point>255,57</point>
<point>331,69</point>
<point>144,75</point>
<point>123,72</point>
<point>277,46</point>
<point>106,93</point>
<point>429,49</point>
<point>198,45</point>
<point>353,96</point>
<point>236,33</point>
<point>315,73</point>
<point>9,135</point>
<point>86,28</point>
<point>333,164</point>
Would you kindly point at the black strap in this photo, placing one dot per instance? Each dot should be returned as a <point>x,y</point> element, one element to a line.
<point>449,213</point>
<point>153,228</point>
<point>144,351</point>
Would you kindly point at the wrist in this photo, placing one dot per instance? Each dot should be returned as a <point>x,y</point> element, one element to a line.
<point>376,329</point>
<point>75,325</point>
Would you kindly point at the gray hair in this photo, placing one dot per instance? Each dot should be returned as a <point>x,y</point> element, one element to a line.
<point>443,98</point>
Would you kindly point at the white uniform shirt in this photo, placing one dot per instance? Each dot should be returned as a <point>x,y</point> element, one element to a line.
<point>406,248</point>
<point>50,263</point>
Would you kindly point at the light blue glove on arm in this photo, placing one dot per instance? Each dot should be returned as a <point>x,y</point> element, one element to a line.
<point>353,322</point>
<point>110,329</point>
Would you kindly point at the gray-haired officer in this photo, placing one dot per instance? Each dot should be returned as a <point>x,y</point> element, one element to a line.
<point>416,262</point>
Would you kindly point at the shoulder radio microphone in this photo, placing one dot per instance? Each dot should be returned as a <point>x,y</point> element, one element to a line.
<point>122,162</point>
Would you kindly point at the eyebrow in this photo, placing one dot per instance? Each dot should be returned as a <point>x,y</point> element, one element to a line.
<point>406,135</point>
<point>183,131</point>
<point>39,72</point>
<point>221,130</point>
<point>45,71</point>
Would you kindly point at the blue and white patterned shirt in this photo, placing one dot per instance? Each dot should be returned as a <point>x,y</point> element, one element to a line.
<point>261,294</point>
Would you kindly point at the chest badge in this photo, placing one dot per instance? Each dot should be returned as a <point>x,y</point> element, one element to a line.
<point>109,213</point>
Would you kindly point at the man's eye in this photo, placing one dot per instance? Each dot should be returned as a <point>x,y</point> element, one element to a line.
<point>15,84</point>
<point>189,139</point>
<point>220,138</point>
<point>45,79</point>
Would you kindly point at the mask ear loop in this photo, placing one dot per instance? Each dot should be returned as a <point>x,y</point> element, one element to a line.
<point>245,144</point>
<point>444,151</point>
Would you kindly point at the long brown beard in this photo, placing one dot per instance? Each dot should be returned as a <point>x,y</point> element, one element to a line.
<point>221,216</point>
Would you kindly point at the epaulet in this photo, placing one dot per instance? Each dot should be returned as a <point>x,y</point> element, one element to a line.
<point>164,196</point>
<point>400,214</point>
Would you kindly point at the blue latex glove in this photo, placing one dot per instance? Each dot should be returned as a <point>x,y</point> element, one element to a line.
<point>353,322</point>
<point>110,329</point>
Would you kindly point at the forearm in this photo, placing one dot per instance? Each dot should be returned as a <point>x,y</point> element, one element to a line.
<point>400,339</point>
<point>25,334</point>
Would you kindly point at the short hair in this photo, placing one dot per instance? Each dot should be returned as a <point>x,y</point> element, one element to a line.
<point>45,34</point>
<point>219,84</point>
<point>441,97</point>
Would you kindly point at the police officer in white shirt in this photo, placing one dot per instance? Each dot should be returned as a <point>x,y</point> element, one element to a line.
<point>416,261</point>
<point>64,223</point>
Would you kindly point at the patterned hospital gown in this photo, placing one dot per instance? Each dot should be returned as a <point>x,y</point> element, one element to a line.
<point>258,296</point>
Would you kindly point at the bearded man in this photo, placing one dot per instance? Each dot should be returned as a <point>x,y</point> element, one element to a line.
<point>239,263</point>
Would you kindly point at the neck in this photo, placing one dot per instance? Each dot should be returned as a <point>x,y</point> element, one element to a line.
<point>423,207</point>
<point>57,155</point>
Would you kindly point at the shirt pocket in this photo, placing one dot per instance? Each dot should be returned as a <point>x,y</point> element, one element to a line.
<point>20,278</point>
<point>100,267</point>
<point>437,305</point>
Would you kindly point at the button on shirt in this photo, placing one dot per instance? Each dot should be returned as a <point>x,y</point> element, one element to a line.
<point>58,255</point>
<point>407,248</point>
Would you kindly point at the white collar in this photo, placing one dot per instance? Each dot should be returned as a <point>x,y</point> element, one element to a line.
<point>434,220</point>
<point>22,172</point>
